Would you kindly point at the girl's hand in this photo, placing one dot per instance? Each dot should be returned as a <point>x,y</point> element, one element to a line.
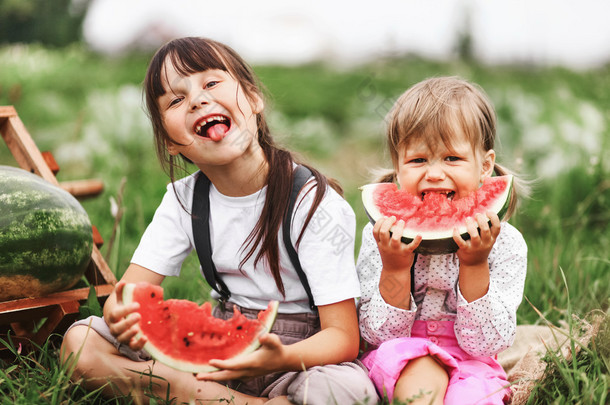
<point>475,251</point>
<point>122,326</point>
<point>270,357</point>
<point>395,255</point>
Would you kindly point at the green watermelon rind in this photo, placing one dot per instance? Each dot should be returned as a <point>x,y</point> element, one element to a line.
<point>45,235</point>
<point>159,355</point>
<point>434,242</point>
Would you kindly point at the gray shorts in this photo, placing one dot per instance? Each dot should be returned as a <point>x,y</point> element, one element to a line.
<point>345,383</point>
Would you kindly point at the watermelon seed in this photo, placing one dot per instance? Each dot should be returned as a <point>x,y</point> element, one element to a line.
<point>152,295</point>
<point>186,341</point>
<point>239,327</point>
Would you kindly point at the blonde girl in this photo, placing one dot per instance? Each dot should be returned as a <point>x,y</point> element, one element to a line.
<point>437,343</point>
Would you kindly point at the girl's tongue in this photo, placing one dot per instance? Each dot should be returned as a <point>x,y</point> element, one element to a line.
<point>217,132</point>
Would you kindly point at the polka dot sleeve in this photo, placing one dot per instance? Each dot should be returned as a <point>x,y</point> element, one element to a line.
<point>379,321</point>
<point>487,326</point>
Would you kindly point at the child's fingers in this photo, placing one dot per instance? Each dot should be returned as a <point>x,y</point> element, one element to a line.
<point>381,230</point>
<point>457,237</point>
<point>387,223</point>
<point>118,290</point>
<point>395,239</point>
<point>222,375</point>
<point>271,341</point>
<point>119,326</point>
<point>127,335</point>
<point>121,311</point>
<point>495,223</point>
<point>138,343</point>
<point>483,224</point>
<point>414,243</point>
<point>473,231</point>
<point>489,225</point>
<point>376,228</point>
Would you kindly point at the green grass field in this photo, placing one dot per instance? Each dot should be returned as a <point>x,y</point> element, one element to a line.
<point>554,127</point>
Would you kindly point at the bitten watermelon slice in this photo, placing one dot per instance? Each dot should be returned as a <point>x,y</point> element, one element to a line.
<point>185,336</point>
<point>435,216</point>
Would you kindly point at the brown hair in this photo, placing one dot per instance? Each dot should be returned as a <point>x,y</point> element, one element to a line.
<point>191,55</point>
<point>433,110</point>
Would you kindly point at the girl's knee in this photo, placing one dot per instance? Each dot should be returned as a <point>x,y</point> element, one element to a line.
<point>71,341</point>
<point>76,348</point>
<point>426,366</point>
<point>422,380</point>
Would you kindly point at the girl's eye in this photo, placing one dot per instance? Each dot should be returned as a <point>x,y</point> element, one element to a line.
<point>211,84</point>
<point>417,160</point>
<point>174,102</point>
<point>452,158</point>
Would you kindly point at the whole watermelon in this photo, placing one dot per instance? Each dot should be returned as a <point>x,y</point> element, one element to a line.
<point>45,236</point>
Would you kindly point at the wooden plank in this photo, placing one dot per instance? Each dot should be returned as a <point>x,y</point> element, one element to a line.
<point>32,304</point>
<point>24,149</point>
<point>83,188</point>
<point>97,237</point>
<point>58,313</point>
<point>102,269</point>
<point>7,111</point>
<point>50,161</point>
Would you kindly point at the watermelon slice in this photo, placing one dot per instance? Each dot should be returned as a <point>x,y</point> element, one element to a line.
<point>435,216</point>
<point>185,336</point>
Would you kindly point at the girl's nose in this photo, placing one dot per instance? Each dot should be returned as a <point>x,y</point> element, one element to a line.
<point>435,172</point>
<point>198,101</point>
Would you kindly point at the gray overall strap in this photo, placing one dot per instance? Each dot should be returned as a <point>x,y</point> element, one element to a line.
<point>301,175</point>
<point>200,219</point>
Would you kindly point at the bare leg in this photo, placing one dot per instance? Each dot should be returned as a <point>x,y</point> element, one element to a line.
<point>99,364</point>
<point>423,381</point>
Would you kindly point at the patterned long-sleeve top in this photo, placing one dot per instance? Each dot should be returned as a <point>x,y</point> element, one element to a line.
<point>483,327</point>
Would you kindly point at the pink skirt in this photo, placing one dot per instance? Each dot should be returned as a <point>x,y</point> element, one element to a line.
<point>472,379</point>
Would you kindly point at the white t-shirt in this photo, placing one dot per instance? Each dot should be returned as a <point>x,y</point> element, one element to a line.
<point>326,251</point>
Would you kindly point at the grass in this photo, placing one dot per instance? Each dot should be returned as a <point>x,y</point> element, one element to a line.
<point>37,378</point>
<point>552,123</point>
<point>576,371</point>
<point>580,379</point>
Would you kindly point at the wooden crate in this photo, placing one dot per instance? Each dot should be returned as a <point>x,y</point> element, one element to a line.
<point>35,319</point>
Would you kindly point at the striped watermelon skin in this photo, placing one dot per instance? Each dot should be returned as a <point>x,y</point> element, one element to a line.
<point>45,236</point>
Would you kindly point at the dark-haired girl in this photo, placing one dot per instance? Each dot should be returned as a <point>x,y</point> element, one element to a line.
<point>207,108</point>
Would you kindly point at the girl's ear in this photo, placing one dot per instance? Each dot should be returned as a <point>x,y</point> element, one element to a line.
<point>171,148</point>
<point>489,161</point>
<point>257,103</point>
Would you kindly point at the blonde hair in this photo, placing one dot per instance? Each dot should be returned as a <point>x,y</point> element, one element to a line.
<point>433,111</point>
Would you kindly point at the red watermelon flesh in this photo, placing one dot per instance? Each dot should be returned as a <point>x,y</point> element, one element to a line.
<point>435,216</point>
<point>186,336</point>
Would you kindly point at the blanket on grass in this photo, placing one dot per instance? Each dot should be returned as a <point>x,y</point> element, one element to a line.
<point>524,361</point>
